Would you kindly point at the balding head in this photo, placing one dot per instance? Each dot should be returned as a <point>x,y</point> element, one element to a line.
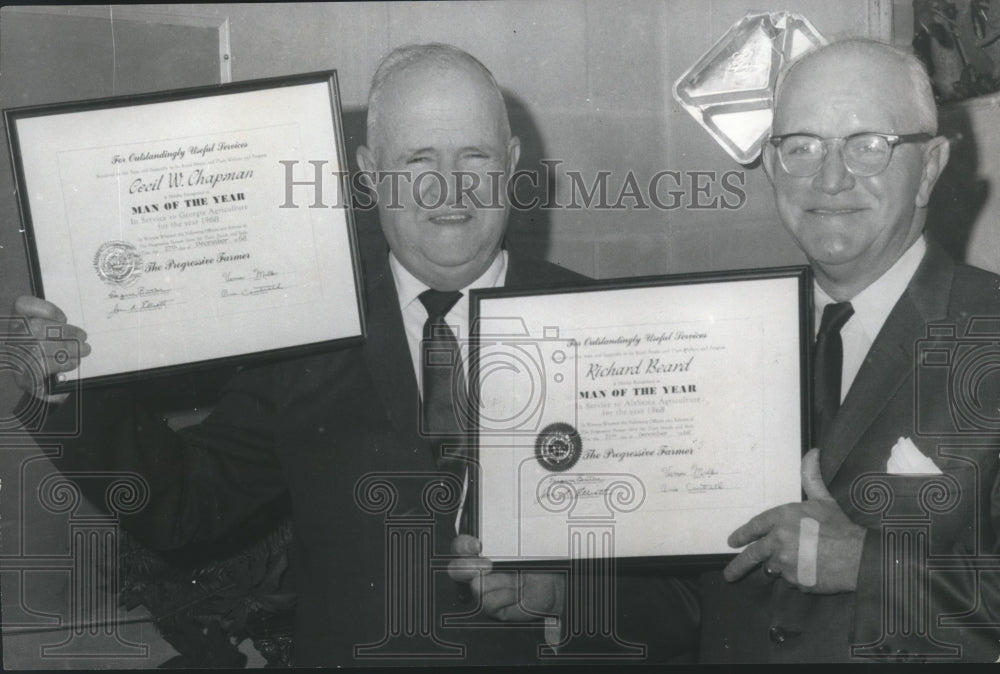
<point>870,66</point>
<point>404,63</point>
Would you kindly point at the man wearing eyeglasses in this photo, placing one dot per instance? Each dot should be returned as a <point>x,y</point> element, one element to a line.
<point>901,503</point>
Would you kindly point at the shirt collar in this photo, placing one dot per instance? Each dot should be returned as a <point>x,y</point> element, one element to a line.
<point>873,304</point>
<point>409,287</point>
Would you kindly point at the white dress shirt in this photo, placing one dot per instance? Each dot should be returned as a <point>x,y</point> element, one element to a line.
<point>409,287</point>
<point>871,308</point>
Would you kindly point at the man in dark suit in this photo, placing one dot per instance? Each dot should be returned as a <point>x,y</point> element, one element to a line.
<point>375,507</point>
<point>880,560</point>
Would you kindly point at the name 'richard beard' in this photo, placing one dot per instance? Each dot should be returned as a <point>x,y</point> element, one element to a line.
<point>640,367</point>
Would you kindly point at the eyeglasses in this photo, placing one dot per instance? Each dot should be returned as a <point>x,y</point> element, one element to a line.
<point>865,154</point>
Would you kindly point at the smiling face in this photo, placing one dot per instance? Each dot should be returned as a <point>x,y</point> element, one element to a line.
<point>853,229</point>
<point>444,214</point>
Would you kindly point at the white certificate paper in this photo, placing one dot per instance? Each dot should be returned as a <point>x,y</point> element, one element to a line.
<point>170,230</point>
<point>638,419</point>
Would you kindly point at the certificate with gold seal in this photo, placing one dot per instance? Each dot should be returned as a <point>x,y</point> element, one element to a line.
<point>640,418</point>
<point>187,227</point>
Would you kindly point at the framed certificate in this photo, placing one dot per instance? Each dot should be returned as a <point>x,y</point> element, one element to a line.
<point>638,418</point>
<point>186,227</point>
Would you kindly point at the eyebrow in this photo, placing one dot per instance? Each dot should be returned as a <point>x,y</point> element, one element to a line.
<point>484,148</point>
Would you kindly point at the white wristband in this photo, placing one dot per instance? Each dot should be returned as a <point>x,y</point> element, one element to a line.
<point>808,549</point>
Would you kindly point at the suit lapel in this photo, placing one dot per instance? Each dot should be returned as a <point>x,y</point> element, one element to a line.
<point>886,367</point>
<point>386,351</point>
<point>515,277</point>
<point>890,361</point>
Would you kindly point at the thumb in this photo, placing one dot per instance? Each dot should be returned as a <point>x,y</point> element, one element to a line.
<point>466,546</point>
<point>812,479</point>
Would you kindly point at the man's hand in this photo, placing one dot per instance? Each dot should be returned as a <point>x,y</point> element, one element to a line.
<point>47,327</point>
<point>508,596</point>
<point>831,554</point>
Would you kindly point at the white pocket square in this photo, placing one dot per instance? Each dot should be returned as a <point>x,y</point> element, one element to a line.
<point>906,459</point>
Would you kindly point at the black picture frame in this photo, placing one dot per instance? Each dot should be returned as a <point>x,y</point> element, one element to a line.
<point>334,324</point>
<point>797,366</point>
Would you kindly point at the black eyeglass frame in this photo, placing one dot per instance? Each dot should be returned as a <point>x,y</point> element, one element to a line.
<point>893,139</point>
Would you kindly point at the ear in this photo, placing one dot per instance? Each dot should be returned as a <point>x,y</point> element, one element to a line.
<point>367,164</point>
<point>936,153</point>
<point>513,154</point>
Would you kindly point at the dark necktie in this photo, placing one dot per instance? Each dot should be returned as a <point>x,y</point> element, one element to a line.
<point>443,394</point>
<point>828,364</point>
<point>443,381</point>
